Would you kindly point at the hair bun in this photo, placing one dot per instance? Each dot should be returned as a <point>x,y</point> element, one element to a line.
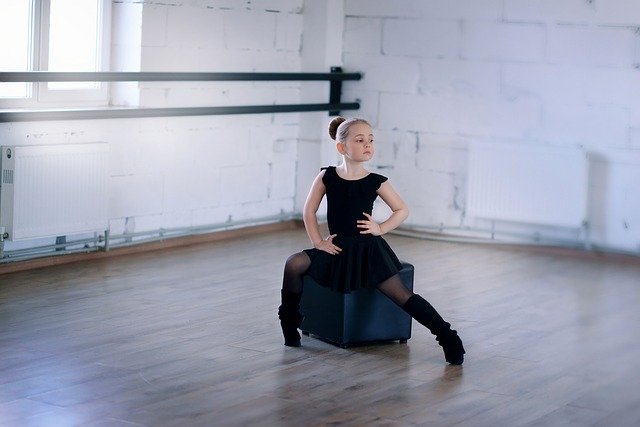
<point>333,126</point>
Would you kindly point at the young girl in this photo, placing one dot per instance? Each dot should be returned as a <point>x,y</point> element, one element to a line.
<point>355,255</point>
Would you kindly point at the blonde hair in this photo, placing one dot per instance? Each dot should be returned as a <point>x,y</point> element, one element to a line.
<point>339,127</point>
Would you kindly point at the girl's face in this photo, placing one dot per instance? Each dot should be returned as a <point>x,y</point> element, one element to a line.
<point>359,144</point>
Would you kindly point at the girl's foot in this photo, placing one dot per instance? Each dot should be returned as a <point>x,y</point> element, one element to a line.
<point>290,318</point>
<point>452,346</point>
<point>424,313</point>
<point>292,341</point>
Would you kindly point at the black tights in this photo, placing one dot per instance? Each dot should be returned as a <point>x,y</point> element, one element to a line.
<point>298,264</point>
<point>294,269</point>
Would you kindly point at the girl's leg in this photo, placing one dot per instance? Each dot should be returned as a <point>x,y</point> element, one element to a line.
<point>395,290</point>
<point>289,310</point>
<point>294,269</point>
<point>424,313</point>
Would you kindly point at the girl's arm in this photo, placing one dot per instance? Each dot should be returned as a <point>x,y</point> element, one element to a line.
<point>399,209</point>
<point>310,219</point>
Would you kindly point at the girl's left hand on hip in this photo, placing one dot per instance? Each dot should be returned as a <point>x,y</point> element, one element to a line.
<point>369,226</point>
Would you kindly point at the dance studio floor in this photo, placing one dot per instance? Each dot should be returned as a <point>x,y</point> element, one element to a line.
<point>190,337</point>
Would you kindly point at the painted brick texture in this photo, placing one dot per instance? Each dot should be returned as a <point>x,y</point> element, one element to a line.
<point>443,74</point>
<point>438,75</point>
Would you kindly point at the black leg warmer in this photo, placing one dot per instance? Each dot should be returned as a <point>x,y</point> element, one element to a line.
<point>290,317</point>
<point>424,313</point>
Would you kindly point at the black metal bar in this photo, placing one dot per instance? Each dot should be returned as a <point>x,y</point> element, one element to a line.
<point>51,76</point>
<point>335,77</point>
<point>123,113</point>
<point>335,90</point>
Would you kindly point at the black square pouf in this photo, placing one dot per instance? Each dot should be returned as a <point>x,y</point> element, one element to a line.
<point>362,316</point>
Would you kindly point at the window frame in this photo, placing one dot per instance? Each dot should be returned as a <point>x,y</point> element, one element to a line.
<point>38,93</point>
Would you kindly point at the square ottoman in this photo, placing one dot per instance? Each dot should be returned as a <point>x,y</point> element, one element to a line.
<point>362,316</point>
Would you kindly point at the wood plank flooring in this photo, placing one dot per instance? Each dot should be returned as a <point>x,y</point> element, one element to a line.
<point>190,337</point>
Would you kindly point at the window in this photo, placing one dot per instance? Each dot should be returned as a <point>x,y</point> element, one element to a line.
<point>54,35</point>
<point>15,44</point>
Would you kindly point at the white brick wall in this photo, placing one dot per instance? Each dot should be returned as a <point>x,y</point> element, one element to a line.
<point>551,11</point>
<point>439,74</point>
<point>126,36</point>
<point>459,77</point>
<point>135,195</point>
<point>572,85</point>
<point>503,42</point>
<point>520,71</point>
<point>423,39</point>
<point>369,103</point>
<point>497,118</point>
<point>585,45</point>
<point>634,137</point>
<point>195,171</point>
<point>249,30</point>
<point>489,10</point>
<point>288,32</point>
<point>419,113</point>
<point>227,167</point>
<point>379,72</point>
<point>157,26</point>
<point>363,35</point>
<point>615,198</point>
<point>594,126</point>
<point>612,12</point>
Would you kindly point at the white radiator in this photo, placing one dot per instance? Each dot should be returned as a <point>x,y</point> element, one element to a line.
<point>528,184</point>
<point>53,190</point>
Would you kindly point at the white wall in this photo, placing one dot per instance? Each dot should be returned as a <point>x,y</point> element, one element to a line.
<point>194,171</point>
<point>321,49</point>
<point>441,74</point>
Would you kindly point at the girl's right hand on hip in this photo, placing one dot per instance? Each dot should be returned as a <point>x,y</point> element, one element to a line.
<point>327,245</point>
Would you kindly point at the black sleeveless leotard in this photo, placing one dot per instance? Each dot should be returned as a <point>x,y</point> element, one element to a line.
<point>365,260</point>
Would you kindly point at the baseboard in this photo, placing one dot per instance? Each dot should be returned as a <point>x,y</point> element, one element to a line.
<point>165,244</point>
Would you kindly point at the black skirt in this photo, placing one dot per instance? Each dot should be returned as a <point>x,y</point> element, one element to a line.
<point>365,262</point>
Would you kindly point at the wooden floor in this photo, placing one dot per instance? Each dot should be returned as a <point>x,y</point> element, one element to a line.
<point>190,337</point>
